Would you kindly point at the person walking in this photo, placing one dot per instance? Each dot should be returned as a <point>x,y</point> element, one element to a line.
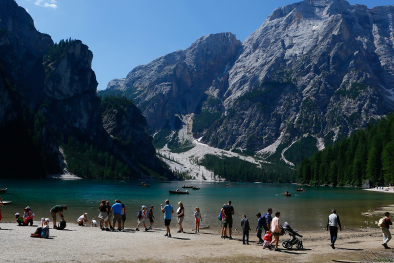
<point>245,230</point>
<point>150,216</point>
<point>260,227</point>
<point>168,210</point>
<point>385,230</point>
<point>267,220</point>
<point>141,218</point>
<point>333,223</point>
<point>275,229</point>
<point>228,219</point>
<point>103,209</point>
<point>57,209</point>
<point>117,211</point>
<point>180,216</point>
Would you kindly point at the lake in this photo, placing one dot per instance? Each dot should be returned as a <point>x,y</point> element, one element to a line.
<point>304,210</point>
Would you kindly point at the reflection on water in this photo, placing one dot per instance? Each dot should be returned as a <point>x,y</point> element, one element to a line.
<point>303,210</point>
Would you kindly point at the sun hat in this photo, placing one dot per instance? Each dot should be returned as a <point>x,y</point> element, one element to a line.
<point>17,214</point>
<point>143,206</point>
<point>27,207</point>
<point>42,220</point>
<point>47,219</point>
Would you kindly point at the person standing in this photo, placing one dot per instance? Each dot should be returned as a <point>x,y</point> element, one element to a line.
<point>180,216</point>
<point>57,209</point>
<point>267,220</point>
<point>198,219</point>
<point>385,230</point>
<point>168,210</point>
<point>150,216</point>
<point>141,218</point>
<point>110,215</point>
<point>228,219</point>
<point>221,221</point>
<point>103,209</point>
<point>260,227</point>
<point>1,204</point>
<point>123,215</point>
<point>275,229</point>
<point>245,229</point>
<point>117,211</point>
<point>333,223</point>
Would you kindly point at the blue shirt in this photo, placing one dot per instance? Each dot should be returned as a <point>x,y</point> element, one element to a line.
<point>168,211</point>
<point>117,208</point>
<point>268,219</point>
<point>260,223</point>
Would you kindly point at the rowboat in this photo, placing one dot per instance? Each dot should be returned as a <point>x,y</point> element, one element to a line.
<point>144,184</point>
<point>6,202</point>
<point>187,186</point>
<point>300,190</point>
<point>179,192</point>
<point>196,188</point>
<point>287,194</point>
<point>3,190</point>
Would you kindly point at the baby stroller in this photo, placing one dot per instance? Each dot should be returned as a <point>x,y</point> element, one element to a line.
<point>293,240</point>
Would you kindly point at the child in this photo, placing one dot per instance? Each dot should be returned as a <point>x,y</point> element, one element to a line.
<point>45,228</point>
<point>18,219</point>
<point>150,216</point>
<point>245,229</point>
<point>198,218</point>
<point>93,222</point>
<point>267,239</point>
<point>222,216</point>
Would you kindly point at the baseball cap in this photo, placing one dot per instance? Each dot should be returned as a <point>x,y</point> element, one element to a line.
<point>151,206</point>
<point>143,206</point>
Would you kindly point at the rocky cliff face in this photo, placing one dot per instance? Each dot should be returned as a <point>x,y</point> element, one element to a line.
<point>318,67</point>
<point>48,93</point>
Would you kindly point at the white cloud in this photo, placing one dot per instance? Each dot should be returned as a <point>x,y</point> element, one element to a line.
<point>47,3</point>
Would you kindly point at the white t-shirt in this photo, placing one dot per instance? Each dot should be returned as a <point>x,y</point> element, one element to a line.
<point>198,215</point>
<point>94,222</point>
<point>81,218</point>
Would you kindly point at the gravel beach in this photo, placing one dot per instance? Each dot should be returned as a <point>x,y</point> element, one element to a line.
<point>90,244</point>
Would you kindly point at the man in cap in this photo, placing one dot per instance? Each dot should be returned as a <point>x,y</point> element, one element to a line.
<point>333,223</point>
<point>57,209</point>
<point>168,210</point>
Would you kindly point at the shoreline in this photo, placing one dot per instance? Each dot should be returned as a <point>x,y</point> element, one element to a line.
<point>89,244</point>
<point>390,190</point>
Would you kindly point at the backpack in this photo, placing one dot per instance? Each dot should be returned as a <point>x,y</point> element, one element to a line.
<point>62,225</point>
<point>139,215</point>
<point>148,214</point>
<point>220,216</point>
<point>382,222</point>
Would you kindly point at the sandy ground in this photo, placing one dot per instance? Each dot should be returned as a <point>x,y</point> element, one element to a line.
<point>87,244</point>
<point>389,190</point>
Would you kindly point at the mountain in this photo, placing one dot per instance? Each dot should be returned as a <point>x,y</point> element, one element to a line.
<point>49,106</point>
<point>314,71</point>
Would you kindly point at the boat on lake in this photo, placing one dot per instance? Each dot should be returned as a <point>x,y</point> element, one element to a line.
<point>187,186</point>
<point>3,190</point>
<point>287,193</point>
<point>196,188</point>
<point>144,184</point>
<point>6,202</point>
<point>179,192</point>
<point>300,190</point>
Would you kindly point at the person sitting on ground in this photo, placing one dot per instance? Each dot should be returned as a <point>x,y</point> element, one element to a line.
<point>45,229</point>
<point>267,239</point>
<point>28,216</point>
<point>18,219</point>
<point>245,230</point>
<point>93,223</point>
<point>57,209</point>
<point>150,216</point>
<point>141,218</point>
<point>180,216</point>
<point>83,219</point>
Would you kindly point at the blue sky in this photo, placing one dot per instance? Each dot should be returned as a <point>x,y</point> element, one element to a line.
<point>126,33</point>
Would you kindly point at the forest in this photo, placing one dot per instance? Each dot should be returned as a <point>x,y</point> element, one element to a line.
<point>365,155</point>
<point>235,169</point>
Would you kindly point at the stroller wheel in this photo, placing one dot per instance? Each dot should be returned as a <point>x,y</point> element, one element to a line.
<point>286,244</point>
<point>300,246</point>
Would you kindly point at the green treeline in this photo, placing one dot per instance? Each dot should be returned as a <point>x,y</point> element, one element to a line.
<point>365,155</point>
<point>57,50</point>
<point>88,161</point>
<point>235,169</point>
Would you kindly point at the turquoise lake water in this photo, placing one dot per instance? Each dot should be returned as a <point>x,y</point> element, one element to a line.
<point>304,211</point>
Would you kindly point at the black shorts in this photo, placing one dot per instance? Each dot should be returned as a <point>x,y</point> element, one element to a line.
<point>167,222</point>
<point>151,220</point>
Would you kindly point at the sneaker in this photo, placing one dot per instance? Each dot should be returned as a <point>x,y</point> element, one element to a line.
<point>243,243</point>
<point>196,232</point>
<point>385,246</point>
<point>107,229</point>
<point>166,235</point>
<point>119,229</point>
<point>276,249</point>
<point>182,230</point>
<point>169,235</point>
<point>230,237</point>
<point>146,229</point>
<point>111,227</point>
<point>150,227</point>
<point>103,228</point>
<point>137,229</point>
<point>222,237</point>
<point>332,245</point>
<point>54,227</point>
